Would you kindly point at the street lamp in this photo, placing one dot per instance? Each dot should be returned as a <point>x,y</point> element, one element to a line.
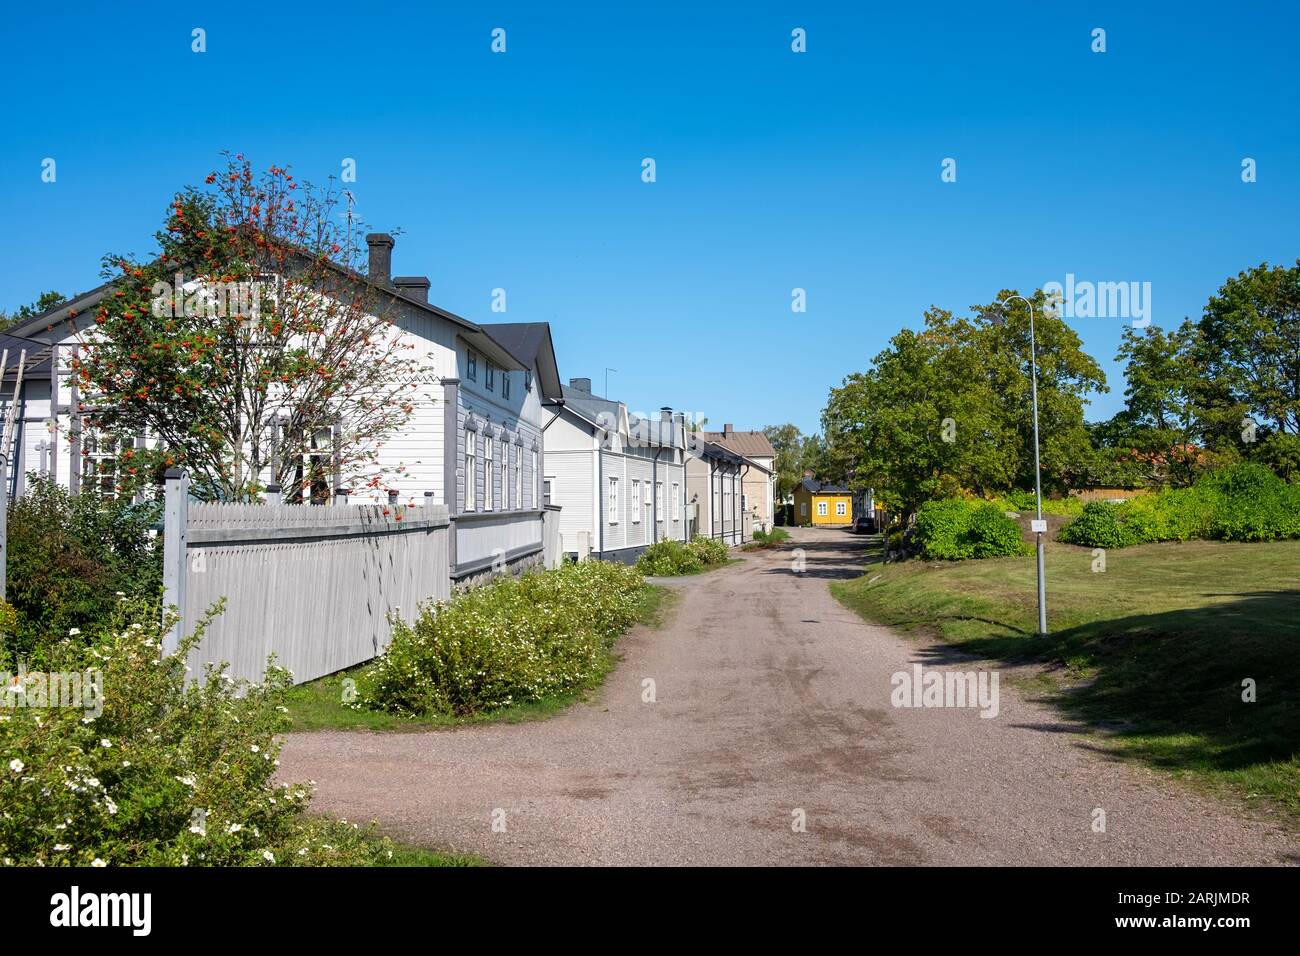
<point>998,317</point>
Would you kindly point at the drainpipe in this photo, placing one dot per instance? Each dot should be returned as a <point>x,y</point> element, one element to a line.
<point>602,505</point>
<point>742,500</point>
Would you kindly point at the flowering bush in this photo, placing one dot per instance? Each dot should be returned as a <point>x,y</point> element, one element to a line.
<point>145,769</point>
<point>670,558</point>
<point>709,550</point>
<point>512,641</point>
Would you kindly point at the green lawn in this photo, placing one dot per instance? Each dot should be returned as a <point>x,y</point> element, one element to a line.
<point>1153,651</point>
<point>319,704</point>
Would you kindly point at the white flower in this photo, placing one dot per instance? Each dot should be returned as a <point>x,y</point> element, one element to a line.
<point>234,828</point>
<point>255,748</point>
<point>73,631</point>
<point>60,847</point>
<point>268,856</point>
<point>105,742</point>
<point>98,862</point>
<point>16,765</point>
<point>110,806</point>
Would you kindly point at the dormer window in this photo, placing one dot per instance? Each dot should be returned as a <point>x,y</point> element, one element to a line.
<point>489,377</point>
<point>505,384</point>
<point>471,366</point>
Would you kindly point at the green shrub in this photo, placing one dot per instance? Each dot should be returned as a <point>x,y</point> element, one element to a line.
<point>709,550</point>
<point>1240,502</point>
<point>512,641</point>
<point>153,772</point>
<point>1098,526</point>
<point>775,536</point>
<point>70,558</point>
<point>669,558</point>
<point>955,529</point>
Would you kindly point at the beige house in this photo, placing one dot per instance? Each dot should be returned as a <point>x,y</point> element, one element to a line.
<point>757,475</point>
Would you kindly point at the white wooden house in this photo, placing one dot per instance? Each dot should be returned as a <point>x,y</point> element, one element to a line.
<point>618,478</point>
<point>474,442</point>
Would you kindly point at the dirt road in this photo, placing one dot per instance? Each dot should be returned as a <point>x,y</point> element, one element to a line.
<point>772,703</point>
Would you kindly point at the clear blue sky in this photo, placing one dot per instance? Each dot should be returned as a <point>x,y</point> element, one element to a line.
<point>775,169</point>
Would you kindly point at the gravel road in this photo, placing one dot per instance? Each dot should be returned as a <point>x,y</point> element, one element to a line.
<point>772,704</point>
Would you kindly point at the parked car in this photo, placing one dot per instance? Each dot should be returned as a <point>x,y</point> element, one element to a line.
<point>864,524</point>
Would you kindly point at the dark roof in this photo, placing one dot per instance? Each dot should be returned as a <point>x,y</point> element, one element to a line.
<point>749,444</point>
<point>38,358</point>
<point>589,406</point>
<point>813,486</point>
<point>530,343</point>
<point>51,325</point>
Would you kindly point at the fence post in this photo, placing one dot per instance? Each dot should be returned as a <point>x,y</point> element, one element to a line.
<point>341,496</point>
<point>273,496</point>
<point>175,540</point>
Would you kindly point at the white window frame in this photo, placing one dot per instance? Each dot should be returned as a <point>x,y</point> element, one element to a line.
<point>612,509</point>
<point>471,470</point>
<point>659,502</point>
<point>489,466</point>
<point>471,365</point>
<point>840,509</point>
<point>505,477</point>
<point>634,503</point>
<point>677,491</point>
<point>519,478</point>
<point>532,482</point>
<point>822,509</point>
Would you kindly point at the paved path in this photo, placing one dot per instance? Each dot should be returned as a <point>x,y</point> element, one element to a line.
<point>771,697</point>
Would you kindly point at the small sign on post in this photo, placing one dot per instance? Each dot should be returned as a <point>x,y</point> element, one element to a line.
<point>1038,525</point>
<point>176,498</point>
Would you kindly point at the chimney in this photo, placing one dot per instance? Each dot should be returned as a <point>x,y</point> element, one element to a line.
<point>665,414</point>
<point>381,257</point>
<point>726,429</point>
<point>580,384</point>
<point>413,287</point>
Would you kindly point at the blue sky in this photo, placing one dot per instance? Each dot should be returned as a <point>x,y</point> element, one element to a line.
<point>775,170</point>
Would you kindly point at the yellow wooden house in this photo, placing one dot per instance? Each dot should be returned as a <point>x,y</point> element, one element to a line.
<point>822,504</point>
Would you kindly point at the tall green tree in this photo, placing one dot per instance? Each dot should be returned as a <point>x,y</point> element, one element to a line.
<point>947,408</point>
<point>787,441</point>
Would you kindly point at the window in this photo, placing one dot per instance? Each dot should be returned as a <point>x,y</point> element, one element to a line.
<point>471,366</point>
<point>677,512</point>
<point>505,477</point>
<point>532,483</point>
<point>505,384</point>
<point>839,509</point>
<point>659,501</point>
<point>528,380</point>
<point>613,501</point>
<point>519,477</point>
<point>546,488</point>
<point>635,505</point>
<point>821,509</point>
<point>490,377</point>
<point>803,509</point>
<point>471,471</point>
<point>488,474</point>
<point>99,458</point>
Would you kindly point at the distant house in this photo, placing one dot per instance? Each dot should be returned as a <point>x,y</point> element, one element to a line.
<point>822,504</point>
<point>758,492</point>
<point>474,442</point>
<point>619,478</point>
<point>715,477</point>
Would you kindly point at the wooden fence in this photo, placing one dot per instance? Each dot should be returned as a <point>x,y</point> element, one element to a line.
<point>316,586</point>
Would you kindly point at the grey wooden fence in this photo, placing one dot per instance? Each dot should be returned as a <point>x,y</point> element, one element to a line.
<point>315,585</point>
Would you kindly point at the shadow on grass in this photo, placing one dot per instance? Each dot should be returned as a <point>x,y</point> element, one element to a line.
<point>1170,684</point>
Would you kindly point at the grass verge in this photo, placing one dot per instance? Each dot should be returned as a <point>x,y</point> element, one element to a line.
<point>321,704</point>
<point>1153,651</point>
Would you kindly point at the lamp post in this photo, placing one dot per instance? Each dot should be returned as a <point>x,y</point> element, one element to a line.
<point>998,317</point>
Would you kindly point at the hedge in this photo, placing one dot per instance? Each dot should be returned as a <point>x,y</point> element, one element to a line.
<point>955,529</point>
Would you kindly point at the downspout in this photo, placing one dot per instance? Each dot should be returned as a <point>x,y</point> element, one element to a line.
<point>601,504</point>
<point>742,500</point>
<point>654,487</point>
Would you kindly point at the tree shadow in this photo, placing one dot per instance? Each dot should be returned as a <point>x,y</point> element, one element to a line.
<point>1171,682</point>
